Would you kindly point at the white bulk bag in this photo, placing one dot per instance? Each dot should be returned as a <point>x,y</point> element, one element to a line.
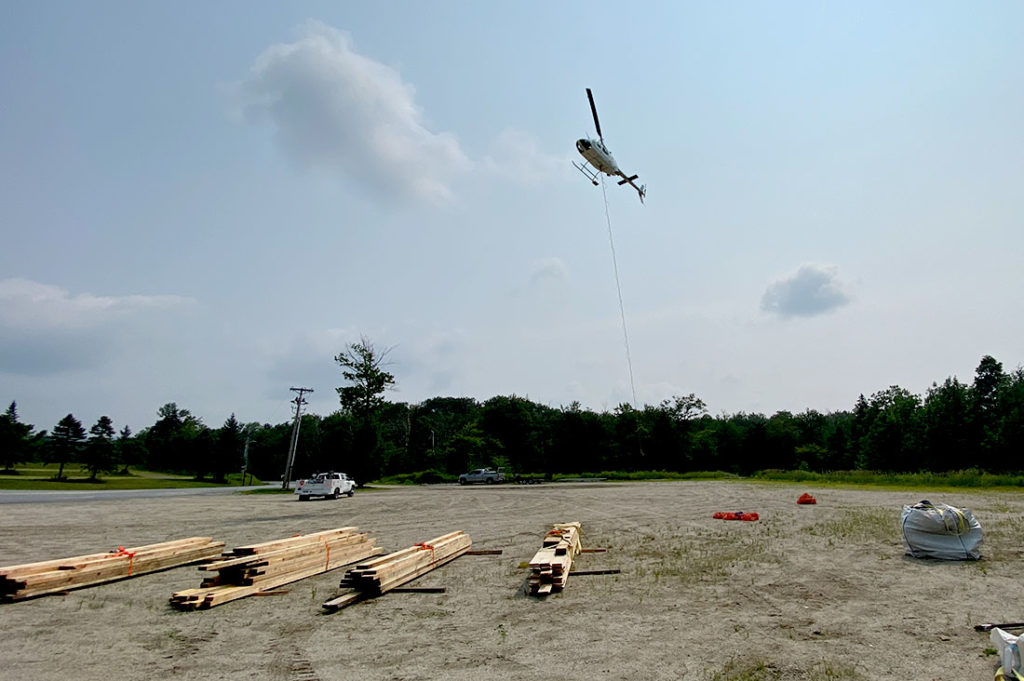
<point>941,531</point>
<point>1008,647</point>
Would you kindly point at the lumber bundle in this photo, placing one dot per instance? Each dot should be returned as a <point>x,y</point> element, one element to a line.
<point>549,567</point>
<point>248,570</point>
<point>377,576</point>
<point>53,576</point>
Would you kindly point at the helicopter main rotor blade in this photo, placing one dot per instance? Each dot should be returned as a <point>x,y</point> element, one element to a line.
<point>593,109</point>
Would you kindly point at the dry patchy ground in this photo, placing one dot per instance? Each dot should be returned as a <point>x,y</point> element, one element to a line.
<point>808,592</point>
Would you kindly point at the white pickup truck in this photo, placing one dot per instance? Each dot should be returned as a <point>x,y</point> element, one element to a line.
<point>325,485</point>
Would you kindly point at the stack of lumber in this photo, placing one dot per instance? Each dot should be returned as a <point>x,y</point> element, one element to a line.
<point>53,576</point>
<point>248,570</point>
<point>549,567</point>
<point>375,577</point>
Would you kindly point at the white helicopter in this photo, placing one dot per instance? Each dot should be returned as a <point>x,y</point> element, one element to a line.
<point>598,155</point>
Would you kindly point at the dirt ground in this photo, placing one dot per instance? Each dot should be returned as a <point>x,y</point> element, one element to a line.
<point>807,592</point>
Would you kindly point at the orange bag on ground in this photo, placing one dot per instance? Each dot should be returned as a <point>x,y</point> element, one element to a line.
<point>738,515</point>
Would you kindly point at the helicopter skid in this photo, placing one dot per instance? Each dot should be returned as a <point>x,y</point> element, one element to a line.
<point>591,174</point>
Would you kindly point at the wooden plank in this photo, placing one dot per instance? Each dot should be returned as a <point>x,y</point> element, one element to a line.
<point>409,551</point>
<point>396,569</point>
<point>405,559</point>
<point>408,576</point>
<point>284,554</point>
<point>223,594</point>
<point>336,560</point>
<point>346,599</point>
<point>289,541</point>
<point>552,564</point>
<point>114,567</point>
<point>267,568</point>
<point>75,561</point>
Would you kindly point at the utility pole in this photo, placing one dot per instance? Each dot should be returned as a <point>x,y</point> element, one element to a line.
<point>245,452</point>
<point>299,401</point>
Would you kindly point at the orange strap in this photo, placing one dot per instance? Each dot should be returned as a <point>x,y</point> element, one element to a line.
<point>327,563</point>
<point>131,557</point>
<point>424,546</point>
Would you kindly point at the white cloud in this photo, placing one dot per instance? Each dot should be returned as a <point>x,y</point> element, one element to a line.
<point>307,358</point>
<point>515,154</point>
<point>549,270</point>
<point>45,329</point>
<point>434,362</point>
<point>810,291</point>
<point>338,110</point>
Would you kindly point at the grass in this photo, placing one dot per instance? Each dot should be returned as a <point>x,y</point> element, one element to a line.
<point>950,481</point>
<point>860,525</point>
<point>428,477</point>
<point>38,476</point>
<point>434,476</point>
<point>1002,540</point>
<point>653,475</point>
<point>703,555</point>
<point>945,481</point>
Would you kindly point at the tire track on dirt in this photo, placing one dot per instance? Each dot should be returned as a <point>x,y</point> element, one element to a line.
<point>288,661</point>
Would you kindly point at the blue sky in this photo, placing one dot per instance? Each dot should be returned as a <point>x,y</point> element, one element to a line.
<point>203,203</point>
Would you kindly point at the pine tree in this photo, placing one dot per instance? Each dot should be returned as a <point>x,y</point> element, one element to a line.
<point>99,455</point>
<point>65,443</point>
<point>14,438</point>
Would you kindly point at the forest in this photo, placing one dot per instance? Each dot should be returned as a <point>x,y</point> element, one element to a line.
<point>954,426</point>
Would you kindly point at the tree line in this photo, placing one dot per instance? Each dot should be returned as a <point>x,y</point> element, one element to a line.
<point>953,426</point>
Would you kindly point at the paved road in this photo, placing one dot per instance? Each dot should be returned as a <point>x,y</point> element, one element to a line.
<point>38,496</point>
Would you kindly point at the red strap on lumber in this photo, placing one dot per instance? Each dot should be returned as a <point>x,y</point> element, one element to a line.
<point>131,557</point>
<point>327,563</point>
<point>423,546</point>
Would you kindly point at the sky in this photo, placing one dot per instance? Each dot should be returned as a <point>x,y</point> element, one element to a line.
<point>204,203</point>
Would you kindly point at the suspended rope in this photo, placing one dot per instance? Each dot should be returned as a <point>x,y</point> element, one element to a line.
<point>618,288</point>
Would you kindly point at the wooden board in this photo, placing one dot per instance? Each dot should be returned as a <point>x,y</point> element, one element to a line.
<point>257,568</point>
<point>374,578</point>
<point>551,566</point>
<point>45,577</point>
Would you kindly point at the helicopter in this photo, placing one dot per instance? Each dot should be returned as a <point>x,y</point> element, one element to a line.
<point>598,155</point>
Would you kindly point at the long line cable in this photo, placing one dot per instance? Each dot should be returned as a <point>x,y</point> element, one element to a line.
<point>618,288</point>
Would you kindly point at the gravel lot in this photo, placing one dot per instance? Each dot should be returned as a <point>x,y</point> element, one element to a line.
<point>807,592</point>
